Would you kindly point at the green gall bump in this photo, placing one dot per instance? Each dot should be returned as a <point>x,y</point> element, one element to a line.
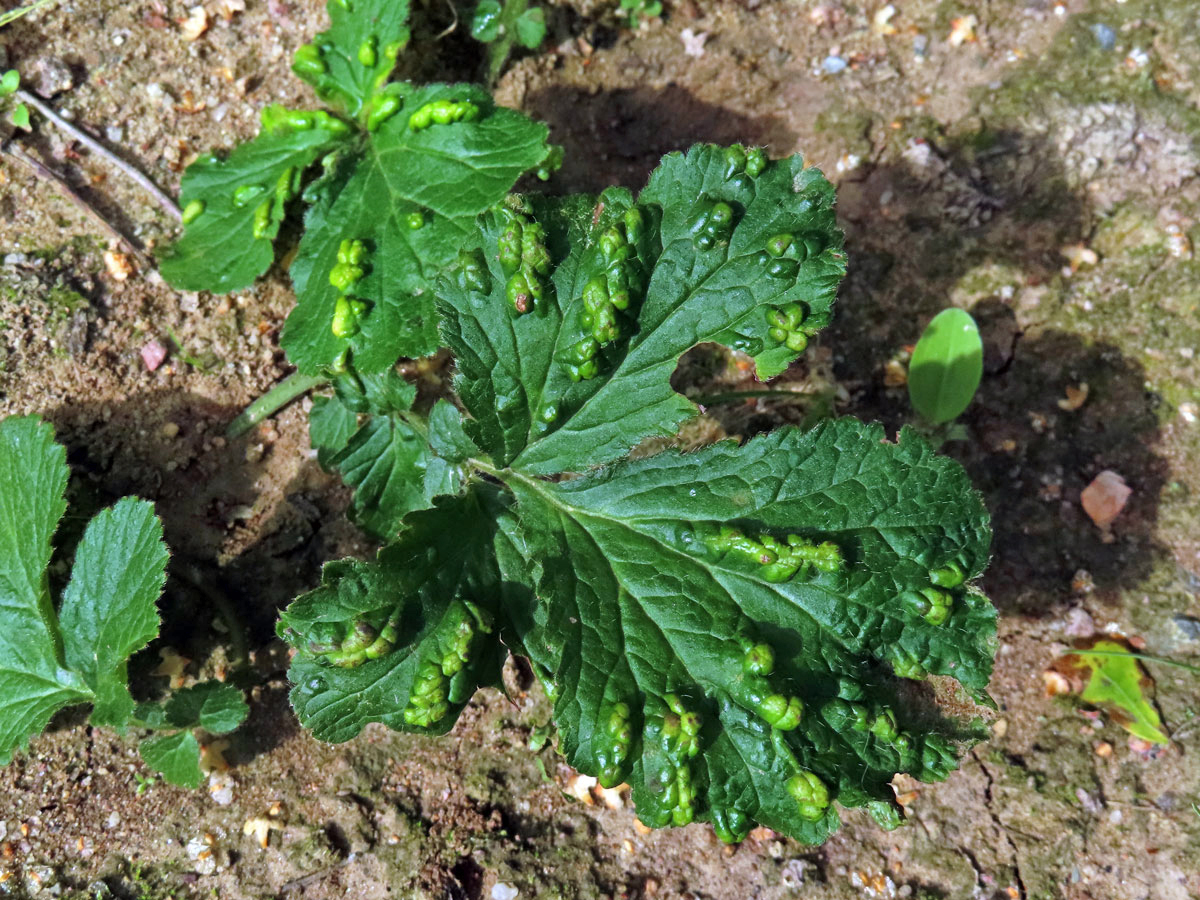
<point>473,273</point>
<point>382,109</point>
<point>549,414</point>
<point>778,245</point>
<point>345,322</point>
<point>759,660</point>
<point>351,251</point>
<point>308,61</point>
<point>948,576</point>
<point>884,726</point>
<point>421,119</point>
<point>192,211</point>
<point>756,162</point>
<point>247,193</point>
<point>810,793</point>
<point>518,294</point>
<point>262,220</point>
<point>368,54</point>
<point>415,221</point>
<point>721,216</point>
<point>735,161</point>
<point>731,825</point>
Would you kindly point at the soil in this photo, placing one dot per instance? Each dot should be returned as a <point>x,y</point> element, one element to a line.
<point>1042,173</point>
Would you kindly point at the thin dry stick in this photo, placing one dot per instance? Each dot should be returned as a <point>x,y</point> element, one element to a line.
<point>94,145</point>
<point>15,152</point>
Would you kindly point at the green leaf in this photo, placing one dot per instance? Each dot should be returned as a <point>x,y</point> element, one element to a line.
<point>692,282</point>
<point>330,426</point>
<point>348,63</point>
<point>374,633</point>
<point>443,174</point>
<point>531,28</point>
<point>1117,679</point>
<point>447,436</point>
<point>946,366</point>
<point>634,584</point>
<point>221,249</point>
<point>9,82</point>
<point>108,609</point>
<point>33,681</point>
<point>175,756</point>
<point>217,708</point>
<point>485,22</point>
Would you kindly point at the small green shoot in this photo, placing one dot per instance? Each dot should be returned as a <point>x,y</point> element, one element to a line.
<point>55,656</point>
<point>636,10</point>
<point>501,25</point>
<point>946,367</point>
<point>9,16</point>
<point>10,82</point>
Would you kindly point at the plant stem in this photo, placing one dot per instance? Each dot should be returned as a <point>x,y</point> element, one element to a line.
<point>295,385</point>
<point>239,644</point>
<point>95,146</point>
<point>1143,656</point>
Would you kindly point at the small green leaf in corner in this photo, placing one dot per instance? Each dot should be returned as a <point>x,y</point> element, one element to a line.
<point>1117,679</point>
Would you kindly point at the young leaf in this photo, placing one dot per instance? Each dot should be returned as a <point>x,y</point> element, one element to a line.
<point>531,28</point>
<point>485,21</point>
<point>438,177</point>
<point>175,756</point>
<point>946,366</point>
<point>394,466</point>
<point>33,681</point>
<point>217,708</point>
<point>709,252</point>
<point>233,206</point>
<point>9,82</point>
<point>348,63</point>
<point>1117,679</point>
<point>108,609</point>
<point>20,116</point>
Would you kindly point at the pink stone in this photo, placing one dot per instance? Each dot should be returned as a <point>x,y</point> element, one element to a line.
<point>153,355</point>
<point>1105,497</point>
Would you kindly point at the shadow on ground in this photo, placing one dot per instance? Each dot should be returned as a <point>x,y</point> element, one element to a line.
<point>619,136</point>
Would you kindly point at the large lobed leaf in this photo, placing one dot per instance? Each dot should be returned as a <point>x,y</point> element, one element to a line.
<point>446,175</point>
<point>527,410</point>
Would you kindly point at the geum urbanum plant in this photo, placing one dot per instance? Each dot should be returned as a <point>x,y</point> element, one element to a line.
<point>392,176</point>
<point>53,656</point>
<point>715,628</point>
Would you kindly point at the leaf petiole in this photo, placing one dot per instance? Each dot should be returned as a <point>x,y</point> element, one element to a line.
<point>292,387</point>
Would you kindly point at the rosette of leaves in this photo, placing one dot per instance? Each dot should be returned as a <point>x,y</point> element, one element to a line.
<point>719,629</point>
<point>52,657</point>
<point>503,25</point>
<point>389,180</point>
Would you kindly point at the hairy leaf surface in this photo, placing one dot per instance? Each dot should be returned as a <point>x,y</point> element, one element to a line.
<point>446,175</point>
<point>701,283</point>
<point>220,250</point>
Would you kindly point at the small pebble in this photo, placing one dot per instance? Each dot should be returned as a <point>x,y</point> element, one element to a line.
<point>1105,497</point>
<point>834,64</point>
<point>1105,36</point>
<point>153,355</point>
<point>502,891</point>
<point>114,133</point>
